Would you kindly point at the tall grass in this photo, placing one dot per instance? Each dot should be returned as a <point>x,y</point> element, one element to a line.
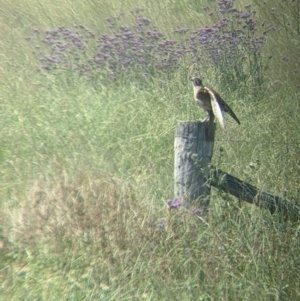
<point>87,161</point>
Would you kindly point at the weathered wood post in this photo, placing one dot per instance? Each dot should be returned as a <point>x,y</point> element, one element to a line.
<point>194,141</point>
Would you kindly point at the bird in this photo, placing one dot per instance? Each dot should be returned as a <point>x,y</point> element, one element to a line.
<point>209,100</point>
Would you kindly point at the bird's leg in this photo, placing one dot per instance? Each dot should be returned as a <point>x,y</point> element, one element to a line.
<point>211,117</point>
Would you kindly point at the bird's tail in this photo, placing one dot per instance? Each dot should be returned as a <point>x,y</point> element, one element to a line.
<point>228,110</point>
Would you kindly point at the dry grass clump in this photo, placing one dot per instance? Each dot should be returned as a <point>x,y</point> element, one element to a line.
<point>87,207</point>
<point>93,228</point>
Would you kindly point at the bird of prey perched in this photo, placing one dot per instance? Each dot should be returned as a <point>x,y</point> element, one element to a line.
<point>209,100</point>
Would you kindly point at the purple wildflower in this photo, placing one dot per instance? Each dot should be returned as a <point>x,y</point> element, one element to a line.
<point>141,48</point>
<point>174,204</point>
<point>162,224</point>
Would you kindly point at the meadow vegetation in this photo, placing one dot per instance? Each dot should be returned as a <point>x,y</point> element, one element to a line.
<point>91,92</point>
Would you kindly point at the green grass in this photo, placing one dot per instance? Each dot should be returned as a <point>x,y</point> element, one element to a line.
<point>86,168</point>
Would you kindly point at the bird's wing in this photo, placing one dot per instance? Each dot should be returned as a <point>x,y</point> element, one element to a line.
<point>216,108</point>
<point>225,106</point>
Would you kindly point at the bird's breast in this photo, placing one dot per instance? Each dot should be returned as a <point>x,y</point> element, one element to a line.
<point>202,98</point>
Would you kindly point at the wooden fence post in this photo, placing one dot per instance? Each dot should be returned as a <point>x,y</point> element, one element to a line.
<point>193,151</point>
<point>193,173</point>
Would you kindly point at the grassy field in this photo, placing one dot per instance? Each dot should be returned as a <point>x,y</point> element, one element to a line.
<point>86,150</point>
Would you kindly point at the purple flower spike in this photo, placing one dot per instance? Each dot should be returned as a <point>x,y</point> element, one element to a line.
<point>174,204</point>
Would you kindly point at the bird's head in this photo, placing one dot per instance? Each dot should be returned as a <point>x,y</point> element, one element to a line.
<point>196,81</point>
